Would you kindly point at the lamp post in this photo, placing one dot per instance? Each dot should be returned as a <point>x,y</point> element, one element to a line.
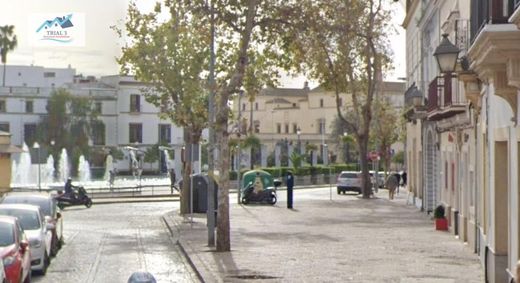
<point>298,132</point>
<point>446,55</point>
<point>345,135</point>
<point>37,147</point>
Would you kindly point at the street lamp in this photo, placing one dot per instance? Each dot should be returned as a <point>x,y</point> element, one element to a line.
<point>37,147</point>
<point>446,55</point>
<point>298,132</point>
<point>345,135</point>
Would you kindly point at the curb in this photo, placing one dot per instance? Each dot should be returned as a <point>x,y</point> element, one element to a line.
<point>178,242</point>
<point>132,200</point>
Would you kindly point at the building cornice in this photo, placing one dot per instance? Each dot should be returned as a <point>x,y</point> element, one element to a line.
<point>410,13</point>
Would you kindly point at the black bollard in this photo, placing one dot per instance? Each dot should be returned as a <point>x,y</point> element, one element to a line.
<point>290,185</point>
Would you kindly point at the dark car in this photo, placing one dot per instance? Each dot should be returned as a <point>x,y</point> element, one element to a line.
<point>50,210</point>
<point>14,251</point>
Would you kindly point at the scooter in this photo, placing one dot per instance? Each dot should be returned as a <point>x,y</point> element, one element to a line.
<point>265,196</point>
<point>80,198</point>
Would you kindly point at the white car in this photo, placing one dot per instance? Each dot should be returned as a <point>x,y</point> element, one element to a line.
<point>38,232</point>
<point>349,181</point>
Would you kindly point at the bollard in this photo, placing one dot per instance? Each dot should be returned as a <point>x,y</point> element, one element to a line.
<point>290,185</point>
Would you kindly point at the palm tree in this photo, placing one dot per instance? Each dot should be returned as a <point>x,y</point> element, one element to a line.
<point>8,43</point>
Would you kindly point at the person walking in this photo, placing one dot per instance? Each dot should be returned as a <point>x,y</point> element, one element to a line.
<point>391,185</point>
<point>398,177</point>
<point>403,177</point>
<point>290,185</point>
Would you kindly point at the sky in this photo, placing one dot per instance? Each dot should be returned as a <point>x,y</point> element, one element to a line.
<point>102,45</point>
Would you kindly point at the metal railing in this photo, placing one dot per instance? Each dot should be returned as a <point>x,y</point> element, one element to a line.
<point>485,12</point>
<point>443,93</point>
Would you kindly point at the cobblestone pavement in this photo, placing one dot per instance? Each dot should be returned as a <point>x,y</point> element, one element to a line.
<point>106,243</point>
<point>346,239</point>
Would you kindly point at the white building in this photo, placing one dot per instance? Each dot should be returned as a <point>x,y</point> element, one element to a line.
<point>128,119</point>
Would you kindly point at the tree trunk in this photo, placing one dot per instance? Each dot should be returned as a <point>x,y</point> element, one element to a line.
<point>223,225</point>
<point>3,80</point>
<point>191,136</point>
<point>365,176</point>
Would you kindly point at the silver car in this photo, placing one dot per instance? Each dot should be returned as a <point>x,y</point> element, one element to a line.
<point>38,232</point>
<point>50,209</point>
<point>349,181</point>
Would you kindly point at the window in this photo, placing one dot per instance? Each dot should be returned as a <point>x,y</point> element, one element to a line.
<point>279,128</point>
<point>29,107</point>
<point>4,127</point>
<point>49,74</point>
<point>3,107</point>
<point>295,128</point>
<point>29,133</point>
<point>286,128</point>
<point>98,133</point>
<point>321,102</point>
<point>256,105</point>
<point>135,103</point>
<point>98,107</point>
<point>136,133</point>
<point>257,127</point>
<point>321,129</point>
<point>165,133</point>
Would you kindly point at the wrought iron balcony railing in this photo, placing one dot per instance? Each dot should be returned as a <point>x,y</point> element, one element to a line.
<point>443,98</point>
<point>485,12</point>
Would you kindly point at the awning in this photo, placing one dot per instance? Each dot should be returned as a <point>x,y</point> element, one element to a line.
<point>7,148</point>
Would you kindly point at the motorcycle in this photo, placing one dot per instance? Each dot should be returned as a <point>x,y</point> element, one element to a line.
<point>267,195</point>
<point>81,198</point>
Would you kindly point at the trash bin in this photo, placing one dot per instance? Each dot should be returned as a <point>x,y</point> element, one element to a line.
<point>200,193</point>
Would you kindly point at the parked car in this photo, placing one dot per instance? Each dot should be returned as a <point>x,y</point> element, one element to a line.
<point>349,181</point>
<point>2,272</point>
<point>37,230</point>
<point>50,209</point>
<point>14,251</point>
<point>380,178</point>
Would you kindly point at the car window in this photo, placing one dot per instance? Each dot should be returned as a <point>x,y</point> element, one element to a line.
<point>348,175</point>
<point>28,219</point>
<point>43,203</point>
<point>6,234</point>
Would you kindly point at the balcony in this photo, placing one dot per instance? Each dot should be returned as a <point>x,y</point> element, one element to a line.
<point>443,101</point>
<point>484,12</point>
<point>515,18</point>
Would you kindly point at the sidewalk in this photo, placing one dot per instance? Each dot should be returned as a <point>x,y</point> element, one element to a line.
<point>347,239</point>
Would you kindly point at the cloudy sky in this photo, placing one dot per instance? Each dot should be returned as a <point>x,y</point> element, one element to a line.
<point>102,46</point>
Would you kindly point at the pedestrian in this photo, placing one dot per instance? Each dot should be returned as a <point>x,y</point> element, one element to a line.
<point>173,178</point>
<point>290,185</point>
<point>398,177</point>
<point>391,185</point>
<point>111,178</point>
<point>403,177</point>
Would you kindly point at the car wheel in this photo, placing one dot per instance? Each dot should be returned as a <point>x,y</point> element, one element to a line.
<point>339,191</point>
<point>88,203</point>
<point>54,246</point>
<point>46,263</point>
<point>61,205</point>
<point>245,200</point>
<point>273,200</point>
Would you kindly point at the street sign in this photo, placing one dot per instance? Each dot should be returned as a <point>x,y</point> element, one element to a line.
<point>373,155</point>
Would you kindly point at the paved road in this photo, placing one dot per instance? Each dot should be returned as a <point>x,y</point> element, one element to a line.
<point>106,243</point>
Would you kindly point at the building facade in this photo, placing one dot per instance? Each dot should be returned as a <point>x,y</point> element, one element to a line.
<point>302,116</point>
<point>127,118</point>
<point>463,140</point>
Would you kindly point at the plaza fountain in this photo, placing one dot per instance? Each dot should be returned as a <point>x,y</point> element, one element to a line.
<point>63,166</point>
<point>83,170</point>
<point>49,171</point>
